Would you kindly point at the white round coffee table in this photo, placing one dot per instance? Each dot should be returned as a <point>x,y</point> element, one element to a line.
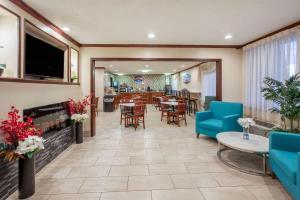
<point>234,140</point>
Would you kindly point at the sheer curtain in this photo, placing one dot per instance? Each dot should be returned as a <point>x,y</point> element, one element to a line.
<point>276,57</point>
<point>208,80</point>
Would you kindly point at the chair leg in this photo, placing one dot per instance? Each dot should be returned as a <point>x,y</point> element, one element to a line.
<point>161,116</point>
<point>144,122</point>
<point>185,119</point>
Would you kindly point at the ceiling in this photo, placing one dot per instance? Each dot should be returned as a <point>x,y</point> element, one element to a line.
<point>136,67</point>
<point>203,22</point>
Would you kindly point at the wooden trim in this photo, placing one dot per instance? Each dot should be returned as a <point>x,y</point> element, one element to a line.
<point>157,59</point>
<point>22,80</point>
<point>219,80</point>
<point>93,116</point>
<point>19,38</point>
<point>78,71</point>
<point>21,4</point>
<point>197,65</point>
<point>161,46</point>
<point>99,67</point>
<point>272,33</point>
<point>68,64</point>
<point>93,68</point>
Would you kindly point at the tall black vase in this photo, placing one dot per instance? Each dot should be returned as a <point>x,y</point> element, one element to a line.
<point>26,177</point>
<point>79,132</point>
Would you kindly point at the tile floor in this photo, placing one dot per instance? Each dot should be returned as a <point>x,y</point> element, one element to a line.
<point>162,162</point>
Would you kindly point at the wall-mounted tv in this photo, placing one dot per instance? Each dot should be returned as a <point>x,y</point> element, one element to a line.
<point>43,60</point>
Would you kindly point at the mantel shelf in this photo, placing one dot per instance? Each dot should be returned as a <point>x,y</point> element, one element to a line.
<point>21,80</point>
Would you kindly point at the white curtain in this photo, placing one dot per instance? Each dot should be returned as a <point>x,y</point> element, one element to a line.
<point>276,57</point>
<point>208,80</point>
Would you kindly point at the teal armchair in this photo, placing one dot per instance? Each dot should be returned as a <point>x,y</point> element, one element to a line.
<point>221,116</point>
<point>284,160</point>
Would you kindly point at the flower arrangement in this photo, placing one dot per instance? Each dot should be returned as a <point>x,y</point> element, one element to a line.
<point>246,122</point>
<point>78,109</point>
<point>19,139</point>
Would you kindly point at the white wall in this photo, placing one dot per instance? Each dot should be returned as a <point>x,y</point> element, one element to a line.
<point>231,63</point>
<point>195,84</point>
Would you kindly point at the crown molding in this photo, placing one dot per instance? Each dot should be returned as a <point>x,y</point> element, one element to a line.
<point>272,33</point>
<point>21,4</point>
<point>161,46</point>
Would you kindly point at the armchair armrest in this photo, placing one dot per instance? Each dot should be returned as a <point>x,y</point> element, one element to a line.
<point>230,123</point>
<point>298,169</point>
<point>284,141</point>
<point>204,115</point>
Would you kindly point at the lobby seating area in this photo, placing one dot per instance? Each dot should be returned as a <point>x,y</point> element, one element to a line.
<point>150,100</point>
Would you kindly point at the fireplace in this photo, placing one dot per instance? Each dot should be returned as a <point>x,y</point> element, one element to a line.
<point>50,118</point>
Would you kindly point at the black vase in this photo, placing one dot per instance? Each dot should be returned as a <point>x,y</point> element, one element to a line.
<point>79,132</point>
<point>26,177</point>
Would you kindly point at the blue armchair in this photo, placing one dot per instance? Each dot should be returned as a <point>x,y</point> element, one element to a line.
<point>284,160</point>
<point>222,116</point>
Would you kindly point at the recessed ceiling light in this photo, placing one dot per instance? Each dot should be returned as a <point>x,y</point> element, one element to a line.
<point>182,66</point>
<point>167,74</point>
<point>151,35</point>
<point>146,70</point>
<point>228,37</point>
<point>111,65</point>
<point>67,29</point>
<point>120,74</point>
<point>146,66</point>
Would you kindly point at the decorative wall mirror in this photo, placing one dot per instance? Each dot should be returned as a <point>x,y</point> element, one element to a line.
<point>74,66</point>
<point>9,44</point>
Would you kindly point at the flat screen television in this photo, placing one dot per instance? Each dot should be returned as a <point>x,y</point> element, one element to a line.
<point>43,60</point>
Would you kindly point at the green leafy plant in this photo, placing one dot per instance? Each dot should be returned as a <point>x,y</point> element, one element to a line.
<point>286,96</point>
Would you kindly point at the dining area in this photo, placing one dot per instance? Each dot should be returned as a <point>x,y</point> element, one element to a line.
<point>171,109</point>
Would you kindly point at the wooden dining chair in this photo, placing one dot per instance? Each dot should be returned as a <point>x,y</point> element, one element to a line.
<point>124,109</point>
<point>179,114</point>
<point>165,109</point>
<point>136,117</point>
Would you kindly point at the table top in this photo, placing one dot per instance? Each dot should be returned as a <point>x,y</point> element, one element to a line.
<point>127,104</point>
<point>171,103</point>
<point>234,140</point>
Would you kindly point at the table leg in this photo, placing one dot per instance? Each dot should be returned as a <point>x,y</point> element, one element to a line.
<point>265,163</point>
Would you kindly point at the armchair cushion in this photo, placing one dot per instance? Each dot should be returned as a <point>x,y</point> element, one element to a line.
<point>287,161</point>
<point>212,124</point>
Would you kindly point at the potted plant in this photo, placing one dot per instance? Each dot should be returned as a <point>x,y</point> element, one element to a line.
<point>286,98</point>
<point>21,140</point>
<point>78,112</point>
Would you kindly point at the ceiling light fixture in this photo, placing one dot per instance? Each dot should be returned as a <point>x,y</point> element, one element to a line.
<point>182,66</point>
<point>228,37</point>
<point>146,66</point>
<point>120,74</point>
<point>111,65</point>
<point>167,74</point>
<point>66,29</point>
<point>151,35</point>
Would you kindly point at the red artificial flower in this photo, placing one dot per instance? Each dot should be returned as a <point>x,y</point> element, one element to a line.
<point>79,107</point>
<point>15,130</point>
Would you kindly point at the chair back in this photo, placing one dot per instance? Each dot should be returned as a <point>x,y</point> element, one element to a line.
<point>125,100</point>
<point>221,109</point>
<point>139,109</point>
<point>181,108</point>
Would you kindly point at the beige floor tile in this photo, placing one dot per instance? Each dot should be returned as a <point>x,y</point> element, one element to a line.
<point>104,184</point>
<point>88,172</point>
<point>194,180</point>
<point>268,192</point>
<point>34,197</point>
<point>235,178</point>
<point>125,160</point>
<point>205,167</point>
<point>177,194</point>
<point>58,186</point>
<point>149,182</point>
<point>140,160</point>
<point>176,168</point>
<point>54,172</point>
<point>180,158</point>
<point>129,170</point>
<point>226,193</point>
<point>85,196</point>
<point>132,195</point>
